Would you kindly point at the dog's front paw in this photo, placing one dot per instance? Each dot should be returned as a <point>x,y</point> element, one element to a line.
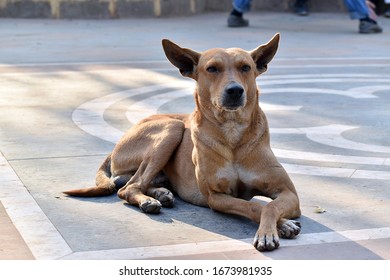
<point>266,241</point>
<point>151,206</point>
<point>289,229</point>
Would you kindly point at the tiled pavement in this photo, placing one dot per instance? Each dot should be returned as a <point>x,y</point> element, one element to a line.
<point>69,89</point>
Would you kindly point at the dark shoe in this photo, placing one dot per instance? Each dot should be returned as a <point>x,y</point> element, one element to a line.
<point>368,27</point>
<point>387,13</point>
<point>236,21</point>
<point>300,8</point>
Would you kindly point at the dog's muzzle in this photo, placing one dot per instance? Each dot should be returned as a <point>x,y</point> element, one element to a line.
<point>233,96</point>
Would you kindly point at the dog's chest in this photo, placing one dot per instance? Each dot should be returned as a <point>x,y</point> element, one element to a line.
<point>236,180</point>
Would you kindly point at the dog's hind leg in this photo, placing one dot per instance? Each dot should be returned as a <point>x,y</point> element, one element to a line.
<point>140,190</point>
<point>159,140</point>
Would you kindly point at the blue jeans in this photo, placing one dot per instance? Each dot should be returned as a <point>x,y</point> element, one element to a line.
<point>357,8</point>
<point>242,6</point>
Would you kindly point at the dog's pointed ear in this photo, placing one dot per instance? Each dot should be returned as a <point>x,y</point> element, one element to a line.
<point>184,59</point>
<point>264,53</point>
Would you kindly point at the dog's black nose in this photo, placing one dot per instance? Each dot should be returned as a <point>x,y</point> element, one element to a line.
<point>233,96</point>
<point>234,90</point>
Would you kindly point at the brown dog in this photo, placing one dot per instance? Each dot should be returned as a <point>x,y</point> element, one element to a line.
<point>218,156</point>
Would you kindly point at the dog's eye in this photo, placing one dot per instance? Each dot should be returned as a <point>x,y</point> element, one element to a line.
<point>212,69</point>
<point>245,68</point>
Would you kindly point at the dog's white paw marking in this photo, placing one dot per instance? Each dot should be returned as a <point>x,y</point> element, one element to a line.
<point>289,229</point>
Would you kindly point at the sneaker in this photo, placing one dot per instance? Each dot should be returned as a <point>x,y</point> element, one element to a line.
<point>368,27</point>
<point>300,8</point>
<point>236,21</point>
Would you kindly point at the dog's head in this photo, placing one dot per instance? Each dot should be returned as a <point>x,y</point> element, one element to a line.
<point>226,78</point>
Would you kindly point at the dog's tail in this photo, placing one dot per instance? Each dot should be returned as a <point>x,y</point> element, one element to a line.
<point>105,185</point>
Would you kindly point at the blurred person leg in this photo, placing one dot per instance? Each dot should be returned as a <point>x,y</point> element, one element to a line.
<point>364,12</point>
<point>387,7</point>
<point>301,7</point>
<point>236,18</point>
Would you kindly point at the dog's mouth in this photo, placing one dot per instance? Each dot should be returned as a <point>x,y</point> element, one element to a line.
<point>224,105</point>
<point>226,108</point>
<point>232,108</point>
